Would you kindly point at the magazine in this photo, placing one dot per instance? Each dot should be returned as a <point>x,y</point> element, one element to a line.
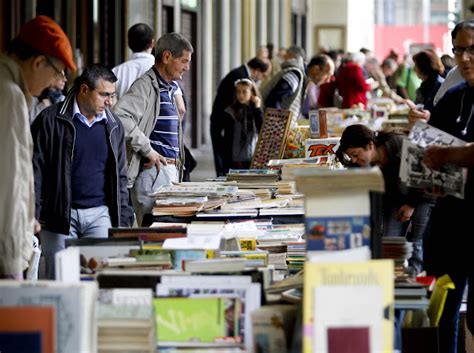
<point>414,173</point>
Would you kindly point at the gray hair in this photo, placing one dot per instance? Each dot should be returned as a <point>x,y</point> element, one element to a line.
<point>173,42</point>
<point>297,51</point>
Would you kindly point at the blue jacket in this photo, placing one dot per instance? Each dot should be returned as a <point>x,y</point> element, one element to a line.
<point>54,137</point>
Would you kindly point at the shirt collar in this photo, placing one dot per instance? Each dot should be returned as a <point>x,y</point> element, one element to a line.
<point>167,85</point>
<point>139,55</point>
<point>76,113</point>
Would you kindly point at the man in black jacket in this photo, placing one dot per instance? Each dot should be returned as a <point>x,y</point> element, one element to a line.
<point>79,165</point>
<point>254,70</point>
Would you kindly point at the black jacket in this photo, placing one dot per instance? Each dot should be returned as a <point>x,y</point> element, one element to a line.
<point>224,98</point>
<point>54,136</point>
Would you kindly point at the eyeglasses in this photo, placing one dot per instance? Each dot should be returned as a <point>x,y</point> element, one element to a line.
<point>460,50</point>
<point>59,73</point>
<point>106,94</point>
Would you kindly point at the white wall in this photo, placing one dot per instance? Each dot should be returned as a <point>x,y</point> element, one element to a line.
<point>360,25</point>
<point>328,13</point>
<point>357,16</point>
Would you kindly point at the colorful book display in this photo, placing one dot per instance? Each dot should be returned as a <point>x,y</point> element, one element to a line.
<point>337,206</point>
<point>272,138</point>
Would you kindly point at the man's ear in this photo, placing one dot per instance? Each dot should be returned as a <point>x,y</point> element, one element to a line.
<point>166,57</point>
<point>38,61</point>
<point>152,43</point>
<point>83,89</point>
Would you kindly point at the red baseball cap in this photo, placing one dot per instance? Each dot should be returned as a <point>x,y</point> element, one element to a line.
<point>45,35</point>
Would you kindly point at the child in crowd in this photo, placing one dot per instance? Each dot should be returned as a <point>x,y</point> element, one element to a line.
<point>240,125</point>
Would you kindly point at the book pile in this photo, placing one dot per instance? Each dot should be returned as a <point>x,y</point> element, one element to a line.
<point>253,258</point>
<point>125,321</point>
<point>296,255</point>
<point>253,175</point>
<point>156,233</point>
<point>399,250</point>
<point>141,259</point>
<point>259,179</point>
<point>186,199</point>
<point>410,294</point>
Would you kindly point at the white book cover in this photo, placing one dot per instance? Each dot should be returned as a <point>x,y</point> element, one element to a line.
<point>67,265</point>
<point>333,310</point>
<point>414,173</point>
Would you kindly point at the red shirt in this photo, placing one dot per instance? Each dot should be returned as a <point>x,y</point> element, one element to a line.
<point>351,85</point>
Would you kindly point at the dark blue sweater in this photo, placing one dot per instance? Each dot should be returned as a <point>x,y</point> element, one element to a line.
<point>91,151</point>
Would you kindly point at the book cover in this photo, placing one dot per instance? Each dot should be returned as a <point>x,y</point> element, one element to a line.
<point>337,233</point>
<point>74,304</point>
<point>414,173</point>
<point>29,319</point>
<point>321,147</point>
<point>218,286</point>
<point>272,328</point>
<point>348,340</point>
<point>349,295</point>
<point>193,319</point>
<point>18,342</point>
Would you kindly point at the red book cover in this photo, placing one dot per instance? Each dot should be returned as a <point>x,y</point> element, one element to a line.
<point>348,340</point>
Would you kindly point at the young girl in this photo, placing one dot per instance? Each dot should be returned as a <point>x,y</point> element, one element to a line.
<point>241,124</point>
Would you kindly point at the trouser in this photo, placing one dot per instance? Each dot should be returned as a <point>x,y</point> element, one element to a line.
<point>419,221</point>
<point>147,182</point>
<point>91,222</point>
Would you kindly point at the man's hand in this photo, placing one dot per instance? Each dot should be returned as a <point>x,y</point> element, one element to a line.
<point>37,227</point>
<point>435,156</point>
<point>155,159</point>
<point>415,113</point>
<point>405,212</point>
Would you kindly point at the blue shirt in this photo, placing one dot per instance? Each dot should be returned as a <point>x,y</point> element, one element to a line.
<point>76,113</point>
<point>164,137</point>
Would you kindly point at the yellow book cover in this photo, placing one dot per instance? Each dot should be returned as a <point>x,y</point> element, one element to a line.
<point>350,303</point>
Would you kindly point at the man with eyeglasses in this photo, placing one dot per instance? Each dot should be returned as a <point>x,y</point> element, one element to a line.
<point>153,129</point>
<point>40,49</point>
<point>79,165</point>
<point>448,241</point>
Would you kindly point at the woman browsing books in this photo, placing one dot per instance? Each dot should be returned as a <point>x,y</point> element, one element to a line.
<point>402,206</point>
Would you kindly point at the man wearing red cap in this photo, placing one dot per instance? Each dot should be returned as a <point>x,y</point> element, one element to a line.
<point>36,57</point>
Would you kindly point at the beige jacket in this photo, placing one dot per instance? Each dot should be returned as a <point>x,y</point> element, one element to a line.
<point>138,110</point>
<point>16,176</point>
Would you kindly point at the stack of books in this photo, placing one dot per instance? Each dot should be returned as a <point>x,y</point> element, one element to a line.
<point>399,250</point>
<point>296,255</point>
<point>126,321</point>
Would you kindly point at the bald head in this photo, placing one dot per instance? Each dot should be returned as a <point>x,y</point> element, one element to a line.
<point>320,69</point>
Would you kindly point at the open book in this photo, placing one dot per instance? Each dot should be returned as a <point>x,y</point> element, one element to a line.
<point>414,173</point>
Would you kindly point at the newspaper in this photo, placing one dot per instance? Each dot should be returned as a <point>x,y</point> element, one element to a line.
<point>414,173</point>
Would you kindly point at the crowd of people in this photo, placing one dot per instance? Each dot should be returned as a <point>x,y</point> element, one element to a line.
<point>79,162</point>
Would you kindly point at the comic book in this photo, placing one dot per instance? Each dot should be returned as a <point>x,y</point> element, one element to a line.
<point>414,173</point>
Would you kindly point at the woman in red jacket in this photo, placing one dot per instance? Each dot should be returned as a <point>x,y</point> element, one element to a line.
<point>350,83</point>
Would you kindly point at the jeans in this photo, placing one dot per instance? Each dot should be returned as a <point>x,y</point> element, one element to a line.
<point>148,181</point>
<point>91,222</point>
<point>419,221</point>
